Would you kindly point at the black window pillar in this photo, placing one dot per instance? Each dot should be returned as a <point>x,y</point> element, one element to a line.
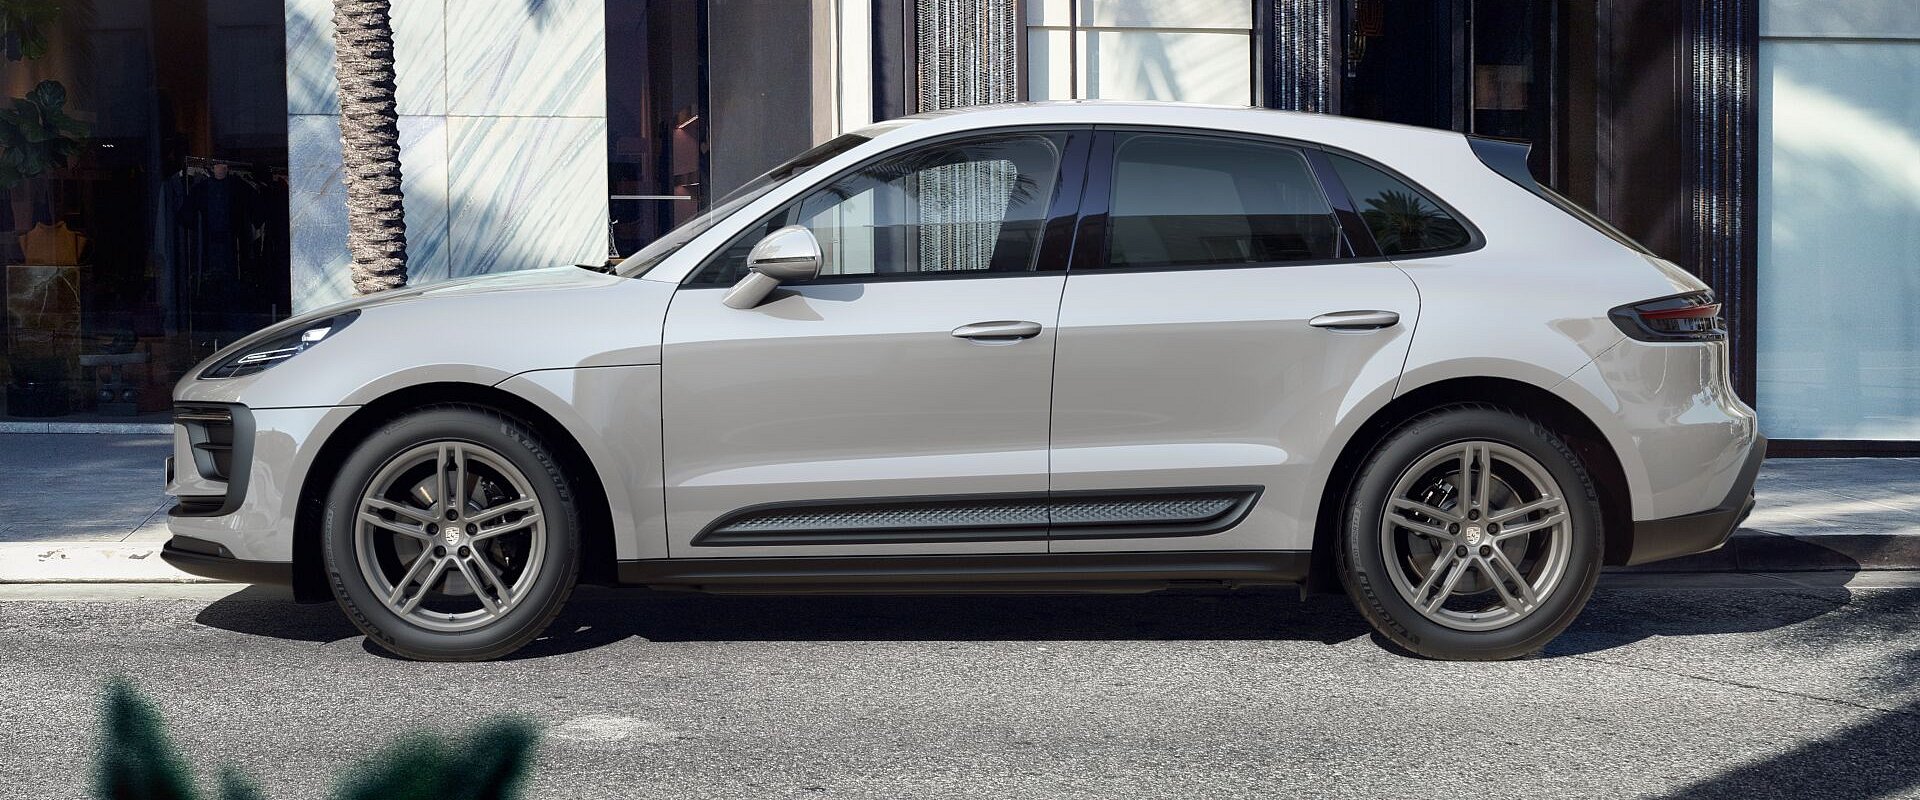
<point>1721,43</point>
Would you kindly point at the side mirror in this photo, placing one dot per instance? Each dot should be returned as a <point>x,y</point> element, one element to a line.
<point>788,254</point>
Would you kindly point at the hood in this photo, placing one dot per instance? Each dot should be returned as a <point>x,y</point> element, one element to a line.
<point>492,326</point>
<point>547,278</point>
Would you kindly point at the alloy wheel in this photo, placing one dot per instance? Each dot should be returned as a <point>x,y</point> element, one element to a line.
<point>449,535</point>
<point>1476,535</point>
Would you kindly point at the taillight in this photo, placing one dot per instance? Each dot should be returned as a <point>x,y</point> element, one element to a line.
<point>1690,317</point>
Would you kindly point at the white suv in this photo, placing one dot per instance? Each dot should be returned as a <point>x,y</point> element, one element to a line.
<point>1081,346</point>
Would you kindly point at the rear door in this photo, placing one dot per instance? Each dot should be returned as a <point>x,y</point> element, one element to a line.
<point>1218,318</point>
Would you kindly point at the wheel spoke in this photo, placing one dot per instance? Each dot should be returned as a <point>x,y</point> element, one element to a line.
<point>1458,569</point>
<point>473,582</point>
<point>1500,569</point>
<point>1435,574</point>
<point>1524,528</point>
<point>404,603</point>
<point>440,478</point>
<point>486,515</point>
<point>1547,503</point>
<point>1483,480</point>
<point>515,526</point>
<point>492,575</point>
<point>1424,529</point>
<point>414,531</point>
<point>458,492</point>
<point>1417,507</point>
<point>398,509</point>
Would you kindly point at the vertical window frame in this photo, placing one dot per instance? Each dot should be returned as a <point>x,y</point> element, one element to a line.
<point>1258,33</point>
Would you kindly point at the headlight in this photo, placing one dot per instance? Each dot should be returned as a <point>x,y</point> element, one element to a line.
<point>278,348</point>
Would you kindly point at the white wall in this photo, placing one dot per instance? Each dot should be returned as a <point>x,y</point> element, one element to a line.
<point>502,133</point>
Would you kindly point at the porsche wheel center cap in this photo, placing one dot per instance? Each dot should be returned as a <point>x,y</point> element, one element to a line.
<point>1471,536</point>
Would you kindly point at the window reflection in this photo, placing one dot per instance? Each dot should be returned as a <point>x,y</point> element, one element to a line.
<point>143,214</point>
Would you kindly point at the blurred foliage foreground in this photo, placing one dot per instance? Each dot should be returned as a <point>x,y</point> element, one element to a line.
<point>137,762</point>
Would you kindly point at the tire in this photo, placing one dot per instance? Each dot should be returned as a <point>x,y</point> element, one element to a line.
<point>408,579</point>
<point>1434,545</point>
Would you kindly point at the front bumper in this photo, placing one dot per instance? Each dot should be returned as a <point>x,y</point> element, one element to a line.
<point>246,500</point>
<point>213,560</point>
<point>1701,531</point>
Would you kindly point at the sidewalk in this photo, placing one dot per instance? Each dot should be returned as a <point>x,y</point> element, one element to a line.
<point>90,508</point>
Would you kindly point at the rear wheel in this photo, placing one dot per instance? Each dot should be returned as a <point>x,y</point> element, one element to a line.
<point>451,535</point>
<point>1472,533</point>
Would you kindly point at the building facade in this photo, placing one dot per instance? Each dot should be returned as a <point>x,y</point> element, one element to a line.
<point>187,185</point>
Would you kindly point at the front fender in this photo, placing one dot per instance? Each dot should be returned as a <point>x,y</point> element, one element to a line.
<point>467,336</point>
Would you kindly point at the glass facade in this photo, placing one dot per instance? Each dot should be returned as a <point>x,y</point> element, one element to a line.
<point>1400,65</point>
<point>144,188</point>
<point>1197,51</point>
<point>144,213</point>
<point>1838,282</point>
<point>656,117</point>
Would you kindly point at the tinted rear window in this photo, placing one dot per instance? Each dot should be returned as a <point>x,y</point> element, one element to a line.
<point>1403,220</point>
<point>1187,201</point>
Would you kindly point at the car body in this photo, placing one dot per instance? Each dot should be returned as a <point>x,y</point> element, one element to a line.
<point>1092,373</point>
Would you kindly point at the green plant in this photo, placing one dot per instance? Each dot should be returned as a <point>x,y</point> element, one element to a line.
<point>1399,220</point>
<point>24,25</point>
<point>137,762</point>
<point>36,134</point>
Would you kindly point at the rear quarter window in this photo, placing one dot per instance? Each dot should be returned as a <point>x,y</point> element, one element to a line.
<point>1403,220</point>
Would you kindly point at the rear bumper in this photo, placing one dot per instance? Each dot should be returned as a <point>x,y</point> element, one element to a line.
<point>1701,531</point>
<point>213,560</point>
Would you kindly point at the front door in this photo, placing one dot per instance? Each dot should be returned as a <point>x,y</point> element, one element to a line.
<point>899,403</point>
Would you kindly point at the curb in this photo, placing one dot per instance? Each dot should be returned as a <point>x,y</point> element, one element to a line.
<point>155,428</point>
<point>1750,550</point>
<point>87,562</point>
<point>1756,550</point>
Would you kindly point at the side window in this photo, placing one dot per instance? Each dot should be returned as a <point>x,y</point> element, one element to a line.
<point>974,206</point>
<point>1403,220</point>
<point>1188,201</point>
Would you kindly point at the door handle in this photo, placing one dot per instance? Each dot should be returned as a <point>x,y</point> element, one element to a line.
<point>1356,320</point>
<point>998,332</point>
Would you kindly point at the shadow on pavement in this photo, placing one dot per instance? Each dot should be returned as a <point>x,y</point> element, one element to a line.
<point>1876,756</point>
<point>599,616</point>
<point>270,611</point>
<point>1617,618</point>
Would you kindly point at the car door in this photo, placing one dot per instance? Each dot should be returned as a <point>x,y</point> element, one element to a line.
<point>1218,318</point>
<point>897,404</point>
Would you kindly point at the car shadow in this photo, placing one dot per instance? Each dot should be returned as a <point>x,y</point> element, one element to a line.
<point>597,617</point>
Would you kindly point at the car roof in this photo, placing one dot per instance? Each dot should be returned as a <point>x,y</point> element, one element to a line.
<point>1290,124</point>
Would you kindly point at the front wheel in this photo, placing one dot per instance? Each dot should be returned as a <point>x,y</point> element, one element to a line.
<point>451,535</point>
<point>1471,534</point>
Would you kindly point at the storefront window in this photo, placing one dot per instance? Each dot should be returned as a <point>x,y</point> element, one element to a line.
<point>1839,286</point>
<point>1198,51</point>
<point>656,117</point>
<point>144,213</point>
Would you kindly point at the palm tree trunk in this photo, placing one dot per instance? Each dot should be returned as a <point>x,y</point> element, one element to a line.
<point>370,144</point>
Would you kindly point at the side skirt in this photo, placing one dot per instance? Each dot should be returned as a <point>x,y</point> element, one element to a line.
<point>1017,573</point>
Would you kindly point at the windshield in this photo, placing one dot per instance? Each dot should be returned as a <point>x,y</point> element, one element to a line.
<point>650,256</point>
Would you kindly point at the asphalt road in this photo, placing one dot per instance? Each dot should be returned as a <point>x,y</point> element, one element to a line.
<point>1761,690</point>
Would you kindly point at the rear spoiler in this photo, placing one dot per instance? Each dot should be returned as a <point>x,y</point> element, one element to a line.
<point>1509,158</point>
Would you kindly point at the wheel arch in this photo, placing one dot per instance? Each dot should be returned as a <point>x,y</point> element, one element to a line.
<point>1542,405</point>
<point>597,552</point>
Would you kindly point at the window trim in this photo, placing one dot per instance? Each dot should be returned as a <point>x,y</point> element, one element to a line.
<point>1475,239</point>
<point>1090,240</point>
<point>1055,237</point>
